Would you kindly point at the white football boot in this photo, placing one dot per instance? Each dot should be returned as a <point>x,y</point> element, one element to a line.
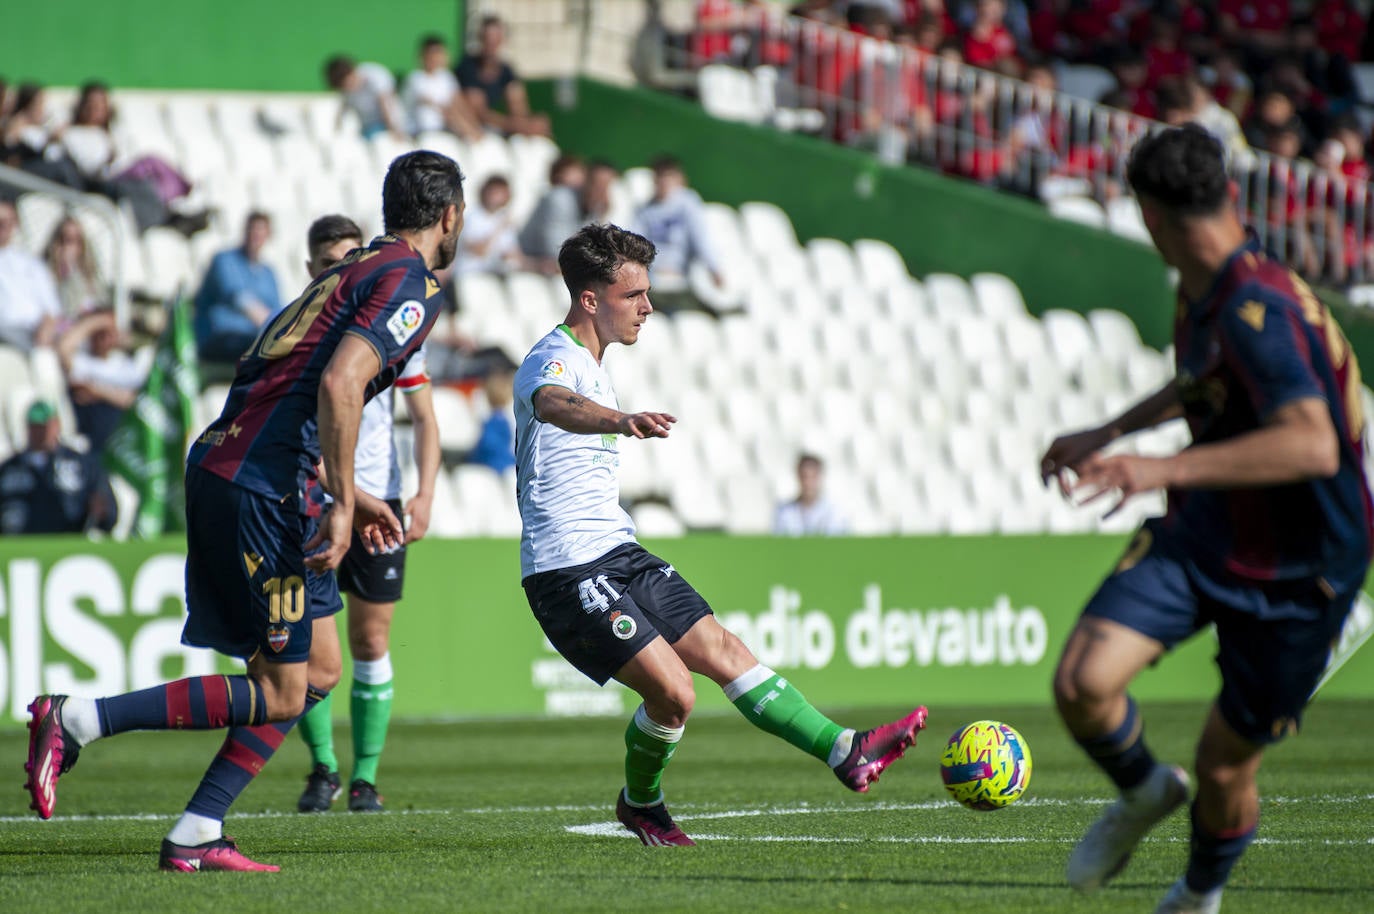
<point>1108,843</point>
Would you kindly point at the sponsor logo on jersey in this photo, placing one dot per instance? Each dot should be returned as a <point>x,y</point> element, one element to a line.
<point>623,626</point>
<point>406,321</point>
<point>277,636</point>
<point>553,368</point>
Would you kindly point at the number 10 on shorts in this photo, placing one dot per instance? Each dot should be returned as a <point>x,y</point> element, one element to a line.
<point>285,599</point>
<point>597,594</point>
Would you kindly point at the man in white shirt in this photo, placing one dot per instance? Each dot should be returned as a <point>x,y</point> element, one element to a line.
<point>609,607</point>
<point>372,582</point>
<point>432,98</point>
<point>810,513</point>
<point>29,305</point>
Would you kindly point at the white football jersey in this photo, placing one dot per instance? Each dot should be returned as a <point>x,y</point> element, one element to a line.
<point>568,485</point>
<point>376,469</point>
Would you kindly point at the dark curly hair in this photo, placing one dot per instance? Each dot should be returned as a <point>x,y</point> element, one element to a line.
<point>596,252</point>
<point>1183,169</point>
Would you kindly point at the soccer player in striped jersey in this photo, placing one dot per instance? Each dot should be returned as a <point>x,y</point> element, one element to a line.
<point>371,580</point>
<point>609,607</point>
<point>258,558</point>
<point>1267,534</point>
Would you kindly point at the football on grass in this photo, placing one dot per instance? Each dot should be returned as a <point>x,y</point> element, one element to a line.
<point>986,765</point>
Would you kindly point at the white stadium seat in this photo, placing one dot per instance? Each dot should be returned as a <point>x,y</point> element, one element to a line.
<point>1079,209</point>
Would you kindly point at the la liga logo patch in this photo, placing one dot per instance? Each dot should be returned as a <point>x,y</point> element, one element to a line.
<point>553,368</point>
<point>408,319</point>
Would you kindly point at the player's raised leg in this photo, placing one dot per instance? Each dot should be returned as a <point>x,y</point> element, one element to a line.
<point>1099,661</point>
<point>773,704</point>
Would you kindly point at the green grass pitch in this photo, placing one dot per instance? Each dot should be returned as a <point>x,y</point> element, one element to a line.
<point>495,816</point>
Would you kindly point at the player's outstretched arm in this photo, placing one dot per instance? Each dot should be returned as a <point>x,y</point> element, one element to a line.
<point>1067,452</point>
<point>428,455</point>
<point>574,413</point>
<point>1296,444</point>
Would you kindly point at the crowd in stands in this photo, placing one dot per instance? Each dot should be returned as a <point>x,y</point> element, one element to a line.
<point>1274,76</point>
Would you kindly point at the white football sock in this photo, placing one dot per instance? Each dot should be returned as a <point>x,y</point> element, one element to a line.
<point>81,720</point>
<point>192,829</point>
<point>840,751</point>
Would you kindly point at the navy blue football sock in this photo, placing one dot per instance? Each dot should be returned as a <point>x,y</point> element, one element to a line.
<point>1211,857</point>
<point>198,703</point>
<point>1122,753</point>
<point>244,753</point>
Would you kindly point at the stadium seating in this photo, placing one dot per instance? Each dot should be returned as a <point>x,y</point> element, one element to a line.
<point>929,398</point>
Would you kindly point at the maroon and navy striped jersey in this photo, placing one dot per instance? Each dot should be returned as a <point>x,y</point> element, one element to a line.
<point>267,437</point>
<point>1258,340</point>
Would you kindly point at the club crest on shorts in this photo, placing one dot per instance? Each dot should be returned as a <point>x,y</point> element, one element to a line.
<point>277,636</point>
<point>623,626</point>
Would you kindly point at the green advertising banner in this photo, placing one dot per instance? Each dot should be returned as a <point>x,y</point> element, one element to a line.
<point>853,621</point>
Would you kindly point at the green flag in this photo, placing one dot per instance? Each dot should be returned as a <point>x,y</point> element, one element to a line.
<point>148,449</point>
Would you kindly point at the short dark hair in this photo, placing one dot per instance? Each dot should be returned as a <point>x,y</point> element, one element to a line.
<point>665,162</point>
<point>561,164</point>
<point>433,39</point>
<point>489,20</point>
<point>337,68</point>
<point>809,458</point>
<point>419,186</point>
<point>256,215</point>
<point>601,165</point>
<point>330,229</point>
<point>596,252</point>
<point>1182,169</point>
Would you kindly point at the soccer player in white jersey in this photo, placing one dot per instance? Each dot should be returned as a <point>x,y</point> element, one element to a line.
<point>372,582</point>
<point>608,606</point>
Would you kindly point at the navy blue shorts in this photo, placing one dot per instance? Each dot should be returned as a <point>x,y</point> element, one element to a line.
<point>247,588</point>
<point>601,614</point>
<point>1274,638</point>
<point>378,578</point>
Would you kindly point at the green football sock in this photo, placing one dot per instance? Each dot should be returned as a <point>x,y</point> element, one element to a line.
<point>317,729</point>
<point>649,747</point>
<point>371,709</point>
<point>775,706</point>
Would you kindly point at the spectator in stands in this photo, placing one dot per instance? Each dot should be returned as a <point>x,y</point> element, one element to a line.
<point>29,305</point>
<point>1184,99</point>
<point>674,220</point>
<point>1256,29</point>
<point>1164,58</point>
<point>988,43</point>
<point>1037,138</point>
<point>810,513</point>
<point>151,185</point>
<point>1274,113</point>
<point>492,87</point>
<point>579,195</point>
<point>1131,93</point>
<point>432,97</point>
<point>369,91</point>
<point>488,243</point>
<point>495,447</point>
<point>1340,28</point>
<point>72,264</point>
<point>238,295</point>
<point>104,379</point>
<point>718,35</point>
<point>50,488</point>
<point>1229,85</point>
<point>26,139</point>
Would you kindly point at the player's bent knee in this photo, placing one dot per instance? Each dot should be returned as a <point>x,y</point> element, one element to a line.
<point>369,645</point>
<point>325,676</point>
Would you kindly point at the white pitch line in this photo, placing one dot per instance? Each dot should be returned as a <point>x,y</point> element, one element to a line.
<point>616,830</point>
<point>168,816</point>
